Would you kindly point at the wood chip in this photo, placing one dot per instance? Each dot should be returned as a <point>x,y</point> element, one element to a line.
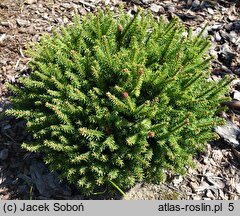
<point>87,4</point>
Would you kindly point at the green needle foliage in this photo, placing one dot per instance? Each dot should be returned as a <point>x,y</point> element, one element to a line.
<point>119,100</point>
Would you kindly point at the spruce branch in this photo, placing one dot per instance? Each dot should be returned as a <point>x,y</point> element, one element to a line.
<point>121,35</point>
<point>120,99</point>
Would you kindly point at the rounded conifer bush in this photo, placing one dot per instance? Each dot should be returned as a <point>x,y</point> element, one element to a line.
<point>119,99</point>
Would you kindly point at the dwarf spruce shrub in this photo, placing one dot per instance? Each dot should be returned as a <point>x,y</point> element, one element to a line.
<point>119,99</point>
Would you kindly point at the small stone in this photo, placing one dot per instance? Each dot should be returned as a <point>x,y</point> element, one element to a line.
<point>217,36</point>
<point>177,180</point>
<point>211,11</point>
<point>30,1</point>
<point>197,197</point>
<point>66,5</point>
<point>4,154</point>
<point>23,23</point>
<point>145,1</point>
<point>156,8</point>
<point>216,27</point>
<point>196,3</point>
<point>230,133</point>
<point>236,95</point>
<point>237,186</point>
<point>82,11</point>
<point>6,24</point>
<point>233,36</point>
<point>107,2</point>
<point>209,194</point>
<point>2,38</point>
<point>206,198</point>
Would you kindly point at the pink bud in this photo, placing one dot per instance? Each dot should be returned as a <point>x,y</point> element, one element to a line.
<point>151,134</point>
<point>125,94</point>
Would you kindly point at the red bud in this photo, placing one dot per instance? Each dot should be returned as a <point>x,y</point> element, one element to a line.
<point>151,134</point>
<point>125,94</point>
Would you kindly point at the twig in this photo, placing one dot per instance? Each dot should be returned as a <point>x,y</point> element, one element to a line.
<point>9,137</point>
<point>17,63</point>
<point>87,4</point>
<point>173,188</point>
<point>204,175</point>
<point>21,52</point>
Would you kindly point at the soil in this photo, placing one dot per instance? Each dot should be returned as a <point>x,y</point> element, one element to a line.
<point>24,175</point>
